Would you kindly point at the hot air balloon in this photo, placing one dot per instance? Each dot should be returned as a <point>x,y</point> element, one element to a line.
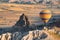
<point>45,15</point>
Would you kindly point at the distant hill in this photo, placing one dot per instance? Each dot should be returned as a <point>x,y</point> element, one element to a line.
<point>31,1</point>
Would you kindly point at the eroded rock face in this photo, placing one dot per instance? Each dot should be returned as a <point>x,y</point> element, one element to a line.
<point>6,36</point>
<point>35,35</point>
<point>31,35</point>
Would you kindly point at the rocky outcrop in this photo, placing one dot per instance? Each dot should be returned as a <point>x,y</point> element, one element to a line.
<point>22,24</point>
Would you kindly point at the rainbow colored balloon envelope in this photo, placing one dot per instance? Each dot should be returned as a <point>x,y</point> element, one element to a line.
<point>45,15</point>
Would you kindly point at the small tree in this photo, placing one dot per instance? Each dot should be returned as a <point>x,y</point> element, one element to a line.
<point>22,2</point>
<point>29,2</point>
<point>41,1</point>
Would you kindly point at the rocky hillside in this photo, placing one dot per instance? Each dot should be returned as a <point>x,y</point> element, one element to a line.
<point>31,35</point>
<point>10,14</point>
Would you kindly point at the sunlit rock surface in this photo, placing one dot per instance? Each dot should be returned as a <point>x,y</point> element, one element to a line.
<point>31,35</point>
